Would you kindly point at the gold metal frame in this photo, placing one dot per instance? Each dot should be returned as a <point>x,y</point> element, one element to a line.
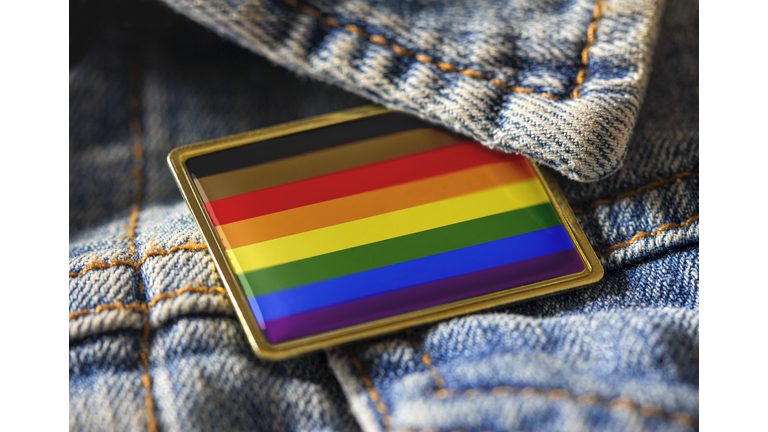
<point>593,270</point>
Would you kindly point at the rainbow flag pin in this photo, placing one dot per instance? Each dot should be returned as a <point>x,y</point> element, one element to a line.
<point>363,222</point>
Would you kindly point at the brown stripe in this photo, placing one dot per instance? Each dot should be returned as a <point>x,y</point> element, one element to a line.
<point>321,162</point>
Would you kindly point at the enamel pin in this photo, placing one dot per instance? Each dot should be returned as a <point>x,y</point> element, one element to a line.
<point>367,221</point>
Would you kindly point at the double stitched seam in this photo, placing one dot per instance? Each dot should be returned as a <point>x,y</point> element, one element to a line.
<point>447,67</point>
<point>642,235</point>
<point>658,182</point>
<point>386,420</point>
<point>153,251</point>
<point>618,403</point>
<point>427,361</point>
<point>589,399</point>
<point>647,410</point>
<point>145,307</point>
<point>192,287</point>
<point>137,157</point>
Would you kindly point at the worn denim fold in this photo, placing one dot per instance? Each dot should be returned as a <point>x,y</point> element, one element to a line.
<point>561,82</point>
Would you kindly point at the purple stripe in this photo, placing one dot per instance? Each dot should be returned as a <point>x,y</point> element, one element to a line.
<point>424,296</point>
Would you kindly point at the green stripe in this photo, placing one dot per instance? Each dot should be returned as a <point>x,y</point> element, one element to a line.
<point>399,249</point>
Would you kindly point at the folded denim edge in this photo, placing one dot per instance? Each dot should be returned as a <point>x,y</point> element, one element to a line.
<point>585,138</point>
<point>119,316</point>
<point>642,247</point>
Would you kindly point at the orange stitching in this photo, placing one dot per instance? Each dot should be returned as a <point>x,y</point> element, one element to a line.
<point>116,305</point>
<point>154,251</point>
<point>149,402</point>
<point>144,308</point>
<point>427,361</point>
<point>380,407</point>
<point>99,264</point>
<point>597,13</point>
<point>378,39</point>
<point>652,185</point>
<point>447,67</point>
<point>424,58</point>
<point>402,51</point>
<point>146,380</point>
<point>642,235</point>
<point>617,403</point>
<point>137,155</point>
<point>133,222</point>
<point>472,73</point>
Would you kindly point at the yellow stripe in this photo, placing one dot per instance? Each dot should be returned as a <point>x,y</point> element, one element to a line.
<point>388,225</point>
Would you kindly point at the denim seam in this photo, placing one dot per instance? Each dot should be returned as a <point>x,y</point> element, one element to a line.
<point>589,399</point>
<point>137,151</point>
<point>146,379</point>
<point>643,234</point>
<point>137,158</point>
<point>447,67</point>
<point>153,251</point>
<point>386,420</point>
<point>659,182</point>
<point>144,307</point>
<point>427,361</point>
<point>646,410</point>
<point>133,221</point>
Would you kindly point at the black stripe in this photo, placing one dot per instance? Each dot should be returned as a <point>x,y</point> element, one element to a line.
<point>302,142</point>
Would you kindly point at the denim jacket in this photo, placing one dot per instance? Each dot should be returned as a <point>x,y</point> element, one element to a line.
<point>154,341</point>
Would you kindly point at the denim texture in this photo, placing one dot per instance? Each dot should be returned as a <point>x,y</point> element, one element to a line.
<point>558,81</point>
<point>155,343</point>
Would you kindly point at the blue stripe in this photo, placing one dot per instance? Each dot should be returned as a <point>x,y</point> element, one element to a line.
<point>410,273</point>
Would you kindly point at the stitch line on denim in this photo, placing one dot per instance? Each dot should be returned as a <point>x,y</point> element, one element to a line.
<point>133,222</point>
<point>426,361</point>
<point>642,235</point>
<point>144,308</point>
<point>153,251</point>
<point>589,399</point>
<point>658,182</point>
<point>386,420</point>
<point>137,153</point>
<point>137,157</point>
<point>581,76</point>
<point>146,379</point>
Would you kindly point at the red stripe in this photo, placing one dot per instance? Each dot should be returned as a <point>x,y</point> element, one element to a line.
<point>353,181</point>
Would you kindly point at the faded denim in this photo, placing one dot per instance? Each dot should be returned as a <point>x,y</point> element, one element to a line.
<point>559,81</point>
<point>154,344</point>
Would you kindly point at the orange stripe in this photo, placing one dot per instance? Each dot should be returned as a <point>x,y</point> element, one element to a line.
<point>350,208</point>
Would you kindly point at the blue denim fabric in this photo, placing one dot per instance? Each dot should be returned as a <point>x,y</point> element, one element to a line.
<point>155,344</point>
<point>559,81</point>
